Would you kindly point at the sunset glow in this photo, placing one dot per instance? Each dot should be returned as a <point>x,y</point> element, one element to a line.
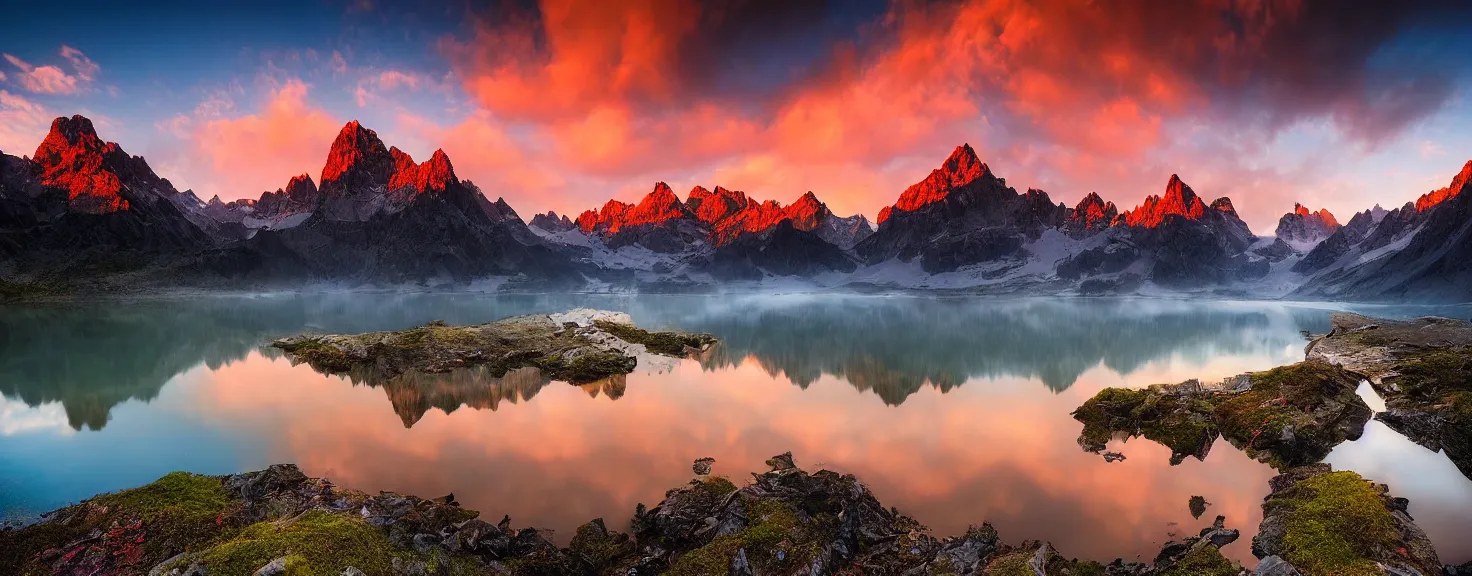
<point>561,105</point>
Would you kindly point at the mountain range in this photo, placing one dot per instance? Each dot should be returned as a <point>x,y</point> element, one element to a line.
<point>84,215</point>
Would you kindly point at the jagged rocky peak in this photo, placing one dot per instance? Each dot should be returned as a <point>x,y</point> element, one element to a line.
<point>711,207</point>
<point>657,207</point>
<point>1179,200</point>
<point>1459,182</point>
<point>433,176</point>
<point>90,171</point>
<point>551,222</point>
<point>1091,214</point>
<point>961,168</point>
<point>300,185</point>
<point>357,160</point>
<point>1303,228</point>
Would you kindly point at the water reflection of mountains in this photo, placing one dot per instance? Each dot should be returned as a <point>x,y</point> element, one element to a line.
<point>896,348</point>
<point>94,357</point>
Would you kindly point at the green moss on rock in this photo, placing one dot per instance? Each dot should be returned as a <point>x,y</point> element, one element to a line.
<point>1294,415</point>
<point>315,544</point>
<point>173,514</point>
<point>667,343</point>
<point>1336,524</point>
<point>1204,561</point>
<point>775,540</point>
<point>1167,414</point>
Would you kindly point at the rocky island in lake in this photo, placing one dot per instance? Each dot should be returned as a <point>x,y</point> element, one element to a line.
<point>578,346</point>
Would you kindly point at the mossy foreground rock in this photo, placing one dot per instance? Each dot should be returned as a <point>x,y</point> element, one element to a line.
<point>1286,416</point>
<point>1324,523</point>
<point>783,522</point>
<point>1423,370</point>
<point>578,346</point>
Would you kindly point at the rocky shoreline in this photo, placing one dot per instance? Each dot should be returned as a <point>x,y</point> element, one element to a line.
<point>1296,414</point>
<point>578,346</point>
<point>782,521</point>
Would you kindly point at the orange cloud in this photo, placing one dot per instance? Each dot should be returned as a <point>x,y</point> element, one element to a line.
<point>1069,98</point>
<point>483,151</point>
<point>242,156</point>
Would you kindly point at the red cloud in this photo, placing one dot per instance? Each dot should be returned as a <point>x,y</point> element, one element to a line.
<point>238,157</point>
<point>1108,97</point>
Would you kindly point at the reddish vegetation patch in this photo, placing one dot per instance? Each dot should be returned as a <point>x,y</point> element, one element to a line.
<point>960,169</point>
<point>1460,181</point>
<point>434,175</point>
<point>1179,200</point>
<point>74,159</point>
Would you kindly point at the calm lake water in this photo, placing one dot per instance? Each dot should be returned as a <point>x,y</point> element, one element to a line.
<point>953,410</point>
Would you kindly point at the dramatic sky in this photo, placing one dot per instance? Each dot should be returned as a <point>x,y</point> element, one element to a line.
<point>562,104</point>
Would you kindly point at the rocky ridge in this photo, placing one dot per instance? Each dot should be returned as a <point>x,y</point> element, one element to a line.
<point>82,212</point>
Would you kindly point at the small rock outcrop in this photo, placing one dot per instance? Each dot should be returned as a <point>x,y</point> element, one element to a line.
<point>578,346</point>
<point>1286,417</point>
<point>1318,522</point>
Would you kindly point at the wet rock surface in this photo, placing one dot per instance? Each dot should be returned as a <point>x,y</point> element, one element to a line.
<point>578,346</point>
<point>1286,417</point>
<point>1422,368</point>
<point>783,521</point>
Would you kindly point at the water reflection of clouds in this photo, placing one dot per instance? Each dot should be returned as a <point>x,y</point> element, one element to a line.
<point>17,418</point>
<point>994,450</point>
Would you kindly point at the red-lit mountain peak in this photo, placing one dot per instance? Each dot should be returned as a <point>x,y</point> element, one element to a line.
<point>962,167</point>
<point>657,207</point>
<point>1323,215</point>
<point>1093,213</point>
<point>73,158</point>
<point>807,212</point>
<point>432,176</point>
<point>1179,200</point>
<point>357,158</point>
<point>301,185</point>
<point>1459,182</point>
<point>712,207</point>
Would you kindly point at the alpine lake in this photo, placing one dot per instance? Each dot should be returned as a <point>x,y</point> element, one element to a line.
<point>953,410</point>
